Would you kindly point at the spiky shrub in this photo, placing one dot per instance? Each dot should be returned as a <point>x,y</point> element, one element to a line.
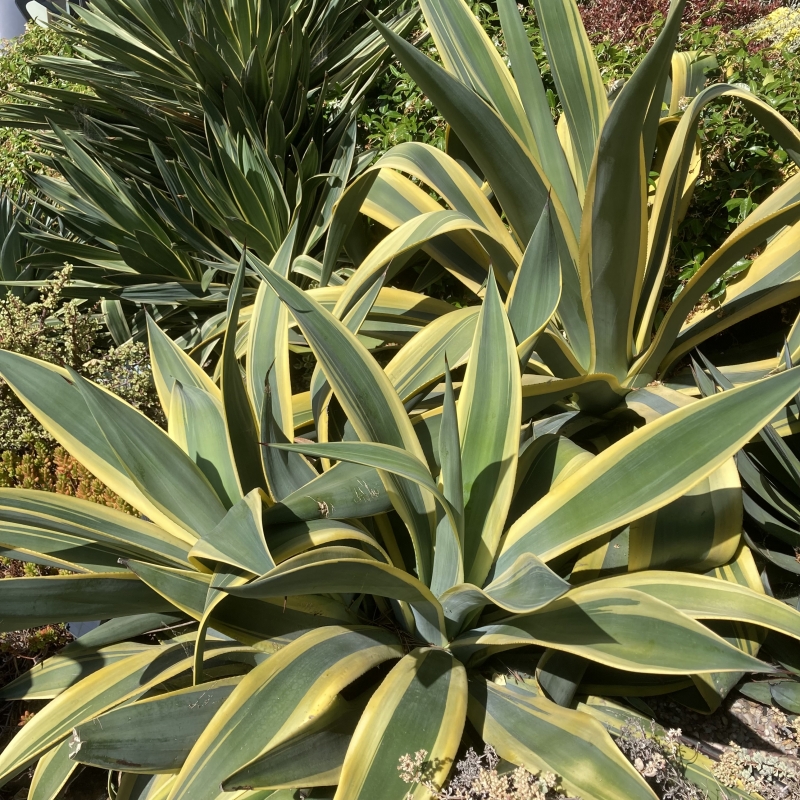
<point>202,125</point>
<point>377,607</point>
<point>575,197</point>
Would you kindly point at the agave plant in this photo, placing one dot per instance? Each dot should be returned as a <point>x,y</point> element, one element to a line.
<point>205,125</point>
<point>585,178</point>
<point>428,588</point>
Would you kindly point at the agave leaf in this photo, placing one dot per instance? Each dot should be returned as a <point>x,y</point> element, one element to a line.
<point>114,631</point>
<point>106,688</point>
<point>170,364</point>
<point>345,491</point>
<point>537,109</point>
<point>468,53</point>
<point>391,254</point>
<point>770,280</point>
<point>553,525</point>
<point>291,540</point>
<point>238,540</point>
<point>338,569</point>
<point>173,721</point>
<point>313,757</point>
<point>622,628</point>
<point>52,773</point>
<point>371,404</point>
<point>399,462</point>
<point>507,164</point>
<point>239,414</point>
<point>185,589</point>
<point>448,562</point>
<point>31,602</point>
<point>449,179</point>
<point>704,597</point>
<point>528,585</point>
<point>425,697</point>
<point>536,290</point>
<point>420,361</point>
<point>528,729</point>
<point>320,389</point>
<point>739,244</point>
<point>578,82</point>
<point>614,227</point>
<point>267,346</point>
<point>298,682</point>
<point>59,401</point>
<point>153,461</point>
<point>57,673</point>
<point>197,424</point>
<point>489,411</point>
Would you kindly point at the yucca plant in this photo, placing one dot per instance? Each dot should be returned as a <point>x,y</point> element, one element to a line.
<point>585,180</point>
<point>203,126</point>
<point>427,589</point>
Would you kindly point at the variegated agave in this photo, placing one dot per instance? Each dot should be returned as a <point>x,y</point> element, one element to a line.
<point>432,581</point>
<point>573,198</point>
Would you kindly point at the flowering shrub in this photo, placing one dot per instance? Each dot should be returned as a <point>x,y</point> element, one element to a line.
<point>781,28</point>
<point>620,21</point>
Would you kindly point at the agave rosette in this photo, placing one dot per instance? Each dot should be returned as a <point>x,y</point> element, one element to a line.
<point>589,174</point>
<point>324,623</point>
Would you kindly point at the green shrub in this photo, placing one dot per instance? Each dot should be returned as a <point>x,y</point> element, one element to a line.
<point>69,335</point>
<point>18,70</point>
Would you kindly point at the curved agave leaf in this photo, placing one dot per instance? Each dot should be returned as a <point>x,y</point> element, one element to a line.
<point>420,362</point>
<point>586,505</point>
<point>528,729</point>
<point>618,627</point>
<point>703,597</point>
<point>173,721</point>
<point>57,673</point>
<point>424,697</point>
<point>313,757</point>
<point>238,540</point>
<point>182,500</point>
<point>453,183</point>
<point>277,699</point>
<point>528,585</point>
<point>343,492</point>
<point>291,540</point>
<point>339,569</point>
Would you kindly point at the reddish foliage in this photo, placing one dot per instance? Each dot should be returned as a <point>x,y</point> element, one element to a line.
<point>628,20</point>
